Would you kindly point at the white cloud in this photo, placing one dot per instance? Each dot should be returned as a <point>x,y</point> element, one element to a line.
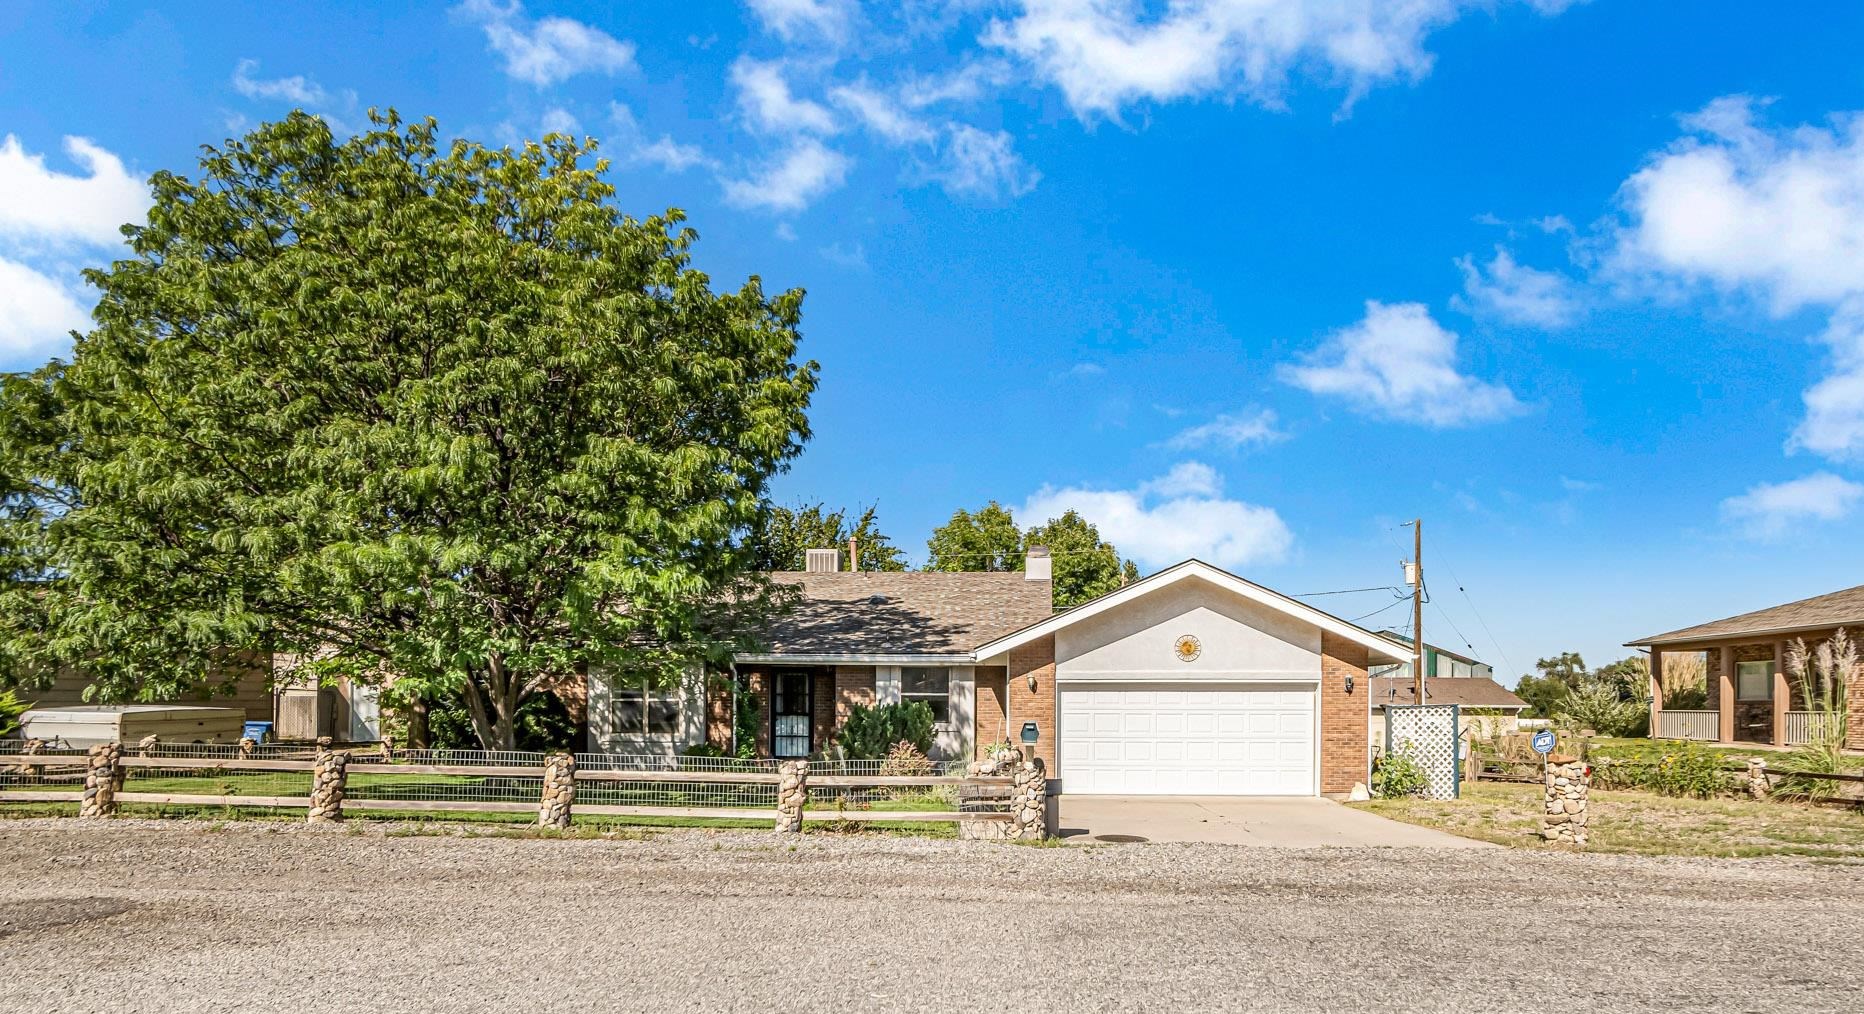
<point>1778,214</point>
<point>558,120</point>
<point>666,153</point>
<point>1105,55</point>
<point>40,205</point>
<point>296,89</point>
<point>807,170</point>
<point>1401,364</point>
<point>546,50</point>
<point>1516,293</point>
<point>830,21</point>
<point>1770,510</point>
<point>972,80</point>
<point>979,163</point>
<point>37,313</point>
<point>882,115</point>
<point>1178,515</point>
<point>1231,432</point>
<point>765,97</point>
<point>852,257</point>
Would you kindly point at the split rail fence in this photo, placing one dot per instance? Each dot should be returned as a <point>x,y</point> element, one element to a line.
<point>437,782</point>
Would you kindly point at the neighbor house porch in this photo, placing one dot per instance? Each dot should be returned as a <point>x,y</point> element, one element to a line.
<point>1745,695</point>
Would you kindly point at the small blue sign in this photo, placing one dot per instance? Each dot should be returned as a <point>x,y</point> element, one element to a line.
<point>1543,741</point>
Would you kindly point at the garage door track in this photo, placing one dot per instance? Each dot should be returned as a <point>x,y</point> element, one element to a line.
<point>1264,821</point>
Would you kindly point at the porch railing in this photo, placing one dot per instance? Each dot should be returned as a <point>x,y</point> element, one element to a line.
<point>1703,725</point>
<point>1803,727</point>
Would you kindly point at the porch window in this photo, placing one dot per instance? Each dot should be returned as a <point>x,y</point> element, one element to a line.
<point>1754,681</point>
<point>641,709</point>
<point>929,684</point>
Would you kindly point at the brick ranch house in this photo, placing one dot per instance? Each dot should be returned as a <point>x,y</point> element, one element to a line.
<point>1190,681</point>
<point>1751,698</point>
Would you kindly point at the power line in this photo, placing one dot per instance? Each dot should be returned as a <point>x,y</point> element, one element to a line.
<point>1478,614</point>
<point>1375,612</point>
<point>1347,591</point>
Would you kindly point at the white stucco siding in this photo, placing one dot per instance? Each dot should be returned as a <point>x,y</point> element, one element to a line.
<point>1240,639</point>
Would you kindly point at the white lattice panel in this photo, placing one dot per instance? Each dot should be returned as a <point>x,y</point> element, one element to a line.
<point>1429,734</point>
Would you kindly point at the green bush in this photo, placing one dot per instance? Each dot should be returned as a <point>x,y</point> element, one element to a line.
<point>1683,769</point>
<point>704,750</point>
<point>1398,775</point>
<point>11,707</point>
<point>871,733</point>
<point>1599,705</point>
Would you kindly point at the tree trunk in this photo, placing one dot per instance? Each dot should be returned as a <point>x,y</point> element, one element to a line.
<point>497,725</point>
<point>420,734</point>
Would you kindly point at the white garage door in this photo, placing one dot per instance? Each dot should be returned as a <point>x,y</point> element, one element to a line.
<point>1188,739</point>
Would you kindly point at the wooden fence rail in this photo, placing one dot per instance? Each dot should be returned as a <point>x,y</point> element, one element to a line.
<point>980,787</point>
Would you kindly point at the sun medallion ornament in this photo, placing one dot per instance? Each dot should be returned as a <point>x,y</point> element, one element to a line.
<point>1188,648</point>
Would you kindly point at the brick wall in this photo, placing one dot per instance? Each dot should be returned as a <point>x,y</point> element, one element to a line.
<point>718,699</point>
<point>1343,745</point>
<point>1036,658</point>
<point>854,687</point>
<point>989,707</point>
<point>757,684</point>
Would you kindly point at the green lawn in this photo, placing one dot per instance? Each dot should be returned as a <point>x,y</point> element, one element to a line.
<point>1642,823</point>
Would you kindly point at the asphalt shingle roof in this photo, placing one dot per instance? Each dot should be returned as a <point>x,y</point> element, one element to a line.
<point>1839,608</point>
<point>1469,691</point>
<point>904,613</point>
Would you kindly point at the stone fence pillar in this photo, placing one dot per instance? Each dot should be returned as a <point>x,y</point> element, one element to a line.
<point>329,776</point>
<point>1029,801</point>
<point>792,795</point>
<point>103,779</point>
<point>1569,782</point>
<point>32,774</point>
<point>559,791</point>
<point>248,746</point>
<point>1757,784</point>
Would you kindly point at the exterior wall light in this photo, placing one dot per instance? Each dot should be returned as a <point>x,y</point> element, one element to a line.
<point>1349,683</point>
<point>1032,683</point>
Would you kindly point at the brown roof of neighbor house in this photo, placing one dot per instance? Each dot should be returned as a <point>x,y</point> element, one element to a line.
<point>1839,608</point>
<point>1469,691</point>
<point>904,612</point>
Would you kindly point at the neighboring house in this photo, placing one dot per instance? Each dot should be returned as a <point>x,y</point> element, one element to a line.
<point>1438,661</point>
<point>1488,709</point>
<point>1751,698</point>
<point>1191,681</point>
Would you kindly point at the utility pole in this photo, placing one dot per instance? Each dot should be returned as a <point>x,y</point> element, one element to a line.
<point>1417,610</point>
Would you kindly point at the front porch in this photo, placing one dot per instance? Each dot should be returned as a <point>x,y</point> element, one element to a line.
<point>1750,699</point>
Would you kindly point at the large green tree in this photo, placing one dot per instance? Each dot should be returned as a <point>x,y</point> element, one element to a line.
<point>985,540</point>
<point>1086,566</point>
<point>784,534</point>
<point>438,411</point>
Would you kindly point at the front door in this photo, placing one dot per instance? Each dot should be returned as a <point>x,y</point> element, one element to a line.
<point>792,715</point>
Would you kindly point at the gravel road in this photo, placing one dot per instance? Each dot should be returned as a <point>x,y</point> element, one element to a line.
<point>170,915</point>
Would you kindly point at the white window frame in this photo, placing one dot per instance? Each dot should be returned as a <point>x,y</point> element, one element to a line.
<point>1744,670</point>
<point>639,694</point>
<point>907,697</point>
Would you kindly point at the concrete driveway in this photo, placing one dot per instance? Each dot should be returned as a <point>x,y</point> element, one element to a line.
<point>1265,821</point>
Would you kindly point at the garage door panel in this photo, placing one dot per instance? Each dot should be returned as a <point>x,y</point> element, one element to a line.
<point>1235,739</point>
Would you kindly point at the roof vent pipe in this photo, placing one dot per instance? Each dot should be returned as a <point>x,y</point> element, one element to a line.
<point>1038,565</point>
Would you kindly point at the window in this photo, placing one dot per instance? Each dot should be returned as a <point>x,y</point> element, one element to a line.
<point>640,710</point>
<point>933,686</point>
<point>1754,681</point>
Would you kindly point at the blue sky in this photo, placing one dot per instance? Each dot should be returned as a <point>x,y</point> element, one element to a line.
<point>1580,284</point>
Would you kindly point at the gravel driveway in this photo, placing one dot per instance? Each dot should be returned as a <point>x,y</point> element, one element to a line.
<point>166,916</point>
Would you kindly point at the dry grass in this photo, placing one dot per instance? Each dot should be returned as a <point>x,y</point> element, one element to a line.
<point>1640,823</point>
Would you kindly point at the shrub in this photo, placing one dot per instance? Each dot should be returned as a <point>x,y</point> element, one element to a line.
<point>1683,770</point>
<point>871,733</point>
<point>1398,775</point>
<point>11,707</point>
<point>905,761</point>
<point>1599,705</point>
<point>704,750</point>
